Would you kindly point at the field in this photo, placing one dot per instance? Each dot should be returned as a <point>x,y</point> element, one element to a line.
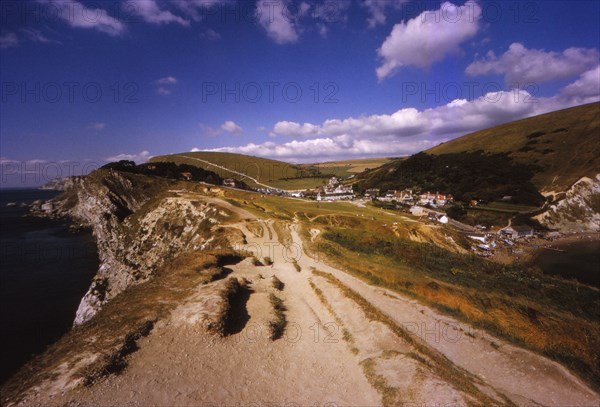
<point>347,168</point>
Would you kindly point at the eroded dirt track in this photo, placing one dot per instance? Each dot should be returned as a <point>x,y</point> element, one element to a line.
<point>345,343</point>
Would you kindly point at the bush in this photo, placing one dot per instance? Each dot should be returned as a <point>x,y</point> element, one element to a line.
<point>277,283</point>
<point>277,326</point>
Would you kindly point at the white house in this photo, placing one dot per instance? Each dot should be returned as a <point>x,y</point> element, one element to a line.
<point>434,199</point>
<point>417,211</point>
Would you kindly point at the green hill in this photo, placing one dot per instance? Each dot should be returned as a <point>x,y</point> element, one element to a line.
<point>277,174</point>
<point>563,145</point>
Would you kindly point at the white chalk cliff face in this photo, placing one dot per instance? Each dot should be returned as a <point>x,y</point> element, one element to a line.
<point>138,226</point>
<point>579,211</point>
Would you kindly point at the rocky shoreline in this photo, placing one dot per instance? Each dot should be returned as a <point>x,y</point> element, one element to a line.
<point>130,248</point>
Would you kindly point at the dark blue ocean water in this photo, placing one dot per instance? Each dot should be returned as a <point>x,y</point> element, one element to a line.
<point>44,272</point>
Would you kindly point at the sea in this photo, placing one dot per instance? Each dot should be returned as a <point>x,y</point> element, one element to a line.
<point>44,272</point>
<point>579,261</point>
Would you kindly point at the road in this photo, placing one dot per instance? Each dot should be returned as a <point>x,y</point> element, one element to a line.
<point>229,170</point>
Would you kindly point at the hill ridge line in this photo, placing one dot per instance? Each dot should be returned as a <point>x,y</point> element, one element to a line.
<point>227,169</point>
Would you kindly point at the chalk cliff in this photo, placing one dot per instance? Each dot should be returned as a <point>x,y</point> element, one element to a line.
<point>138,222</point>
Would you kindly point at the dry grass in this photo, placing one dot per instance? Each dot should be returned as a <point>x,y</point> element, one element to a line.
<point>277,283</point>
<point>389,395</point>
<point>255,229</point>
<point>230,293</point>
<point>568,133</point>
<point>442,366</point>
<point>547,315</point>
<point>346,335</point>
<point>112,334</point>
<point>278,324</point>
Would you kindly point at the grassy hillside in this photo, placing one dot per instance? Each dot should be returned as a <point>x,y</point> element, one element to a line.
<point>277,174</point>
<point>346,168</point>
<point>470,175</point>
<point>261,169</point>
<point>563,144</point>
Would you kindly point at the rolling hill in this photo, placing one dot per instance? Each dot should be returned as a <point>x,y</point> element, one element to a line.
<point>254,171</point>
<point>564,145</point>
<point>546,153</point>
<point>261,172</point>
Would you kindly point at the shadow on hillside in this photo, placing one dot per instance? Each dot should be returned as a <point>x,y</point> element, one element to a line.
<point>238,316</point>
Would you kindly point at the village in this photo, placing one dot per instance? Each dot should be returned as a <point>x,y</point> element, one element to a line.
<point>428,208</point>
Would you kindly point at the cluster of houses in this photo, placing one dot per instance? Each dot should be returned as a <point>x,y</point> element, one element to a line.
<point>335,191</point>
<point>486,243</point>
<point>407,197</point>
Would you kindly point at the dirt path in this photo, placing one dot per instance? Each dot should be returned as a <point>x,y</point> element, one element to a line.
<point>180,364</point>
<point>228,170</point>
<point>333,350</point>
<point>527,379</point>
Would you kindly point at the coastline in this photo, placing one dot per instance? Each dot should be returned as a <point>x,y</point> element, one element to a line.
<point>45,270</point>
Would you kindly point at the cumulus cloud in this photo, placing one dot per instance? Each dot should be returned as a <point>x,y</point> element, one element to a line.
<point>521,65</point>
<point>378,8</point>
<point>329,148</point>
<point>231,127</point>
<point>275,19</point>
<point>456,116</point>
<point>149,11</point>
<point>164,86</point>
<point>8,40</point>
<point>228,126</point>
<point>586,89</point>
<point>429,37</point>
<point>138,158</point>
<point>408,131</point>
<point>79,16</point>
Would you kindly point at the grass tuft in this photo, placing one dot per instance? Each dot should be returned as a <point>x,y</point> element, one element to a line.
<point>277,326</point>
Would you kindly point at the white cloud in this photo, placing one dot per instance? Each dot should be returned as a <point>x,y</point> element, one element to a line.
<point>149,11</point>
<point>199,9</point>
<point>208,130</point>
<point>139,158</point>
<point>79,16</point>
<point>168,80</point>
<point>164,86</point>
<point>378,8</point>
<point>520,65</point>
<point>429,37</point>
<point>228,126</point>
<point>97,126</point>
<point>231,127</point>
<point>409,130</point>
<point>210,34</point>
<point>275,19</point>
<point>38,36</point>
<point>8,40</point>
<point>330,148</point>
<point>586,89</point>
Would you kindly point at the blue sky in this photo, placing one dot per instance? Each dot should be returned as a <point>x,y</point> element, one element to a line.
<point>86,82</point>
